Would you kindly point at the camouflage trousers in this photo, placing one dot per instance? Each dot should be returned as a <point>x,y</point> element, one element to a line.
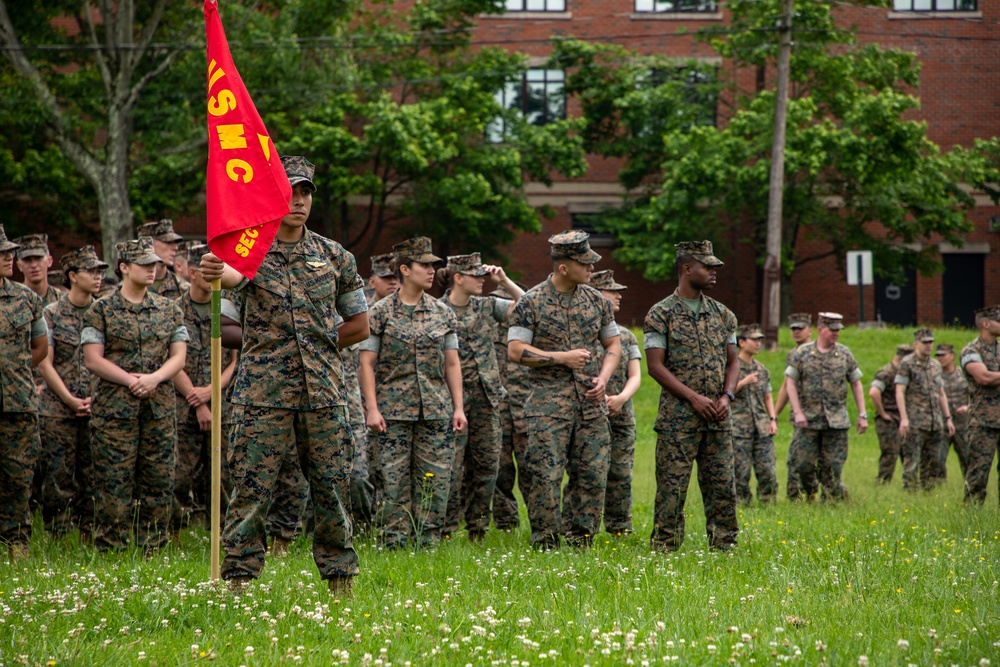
<point>822,454</point>
<point>67,491</point>
<point>19,447</point>
<point>579,449</point>
<point>512,447</point>
<point>891,449</point>
<point>755,453</point>
<point>192,463</point>
<point>477,457</point>
<point>413,462</point>
<point>922,457</point>
<point>618,494</point>
<point>960,442</point>
<point>133,479</point>
<point>676,453</point>
<point>983,441</point>
<point>797,483</point>
<point>362,491</point>
<point>290,512</point>
<point>264,440</point>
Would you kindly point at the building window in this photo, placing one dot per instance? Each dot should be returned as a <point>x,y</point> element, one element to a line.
<point>538,96</point>
<point>935,5</point>
<point>700,94</point>
<point>677,6</point>
<point>536,5</point>
<point>590,223</point>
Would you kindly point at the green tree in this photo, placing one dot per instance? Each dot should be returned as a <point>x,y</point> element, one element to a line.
<point>858,172</point>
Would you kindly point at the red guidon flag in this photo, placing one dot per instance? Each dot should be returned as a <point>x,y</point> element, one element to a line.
<point>247,190</point>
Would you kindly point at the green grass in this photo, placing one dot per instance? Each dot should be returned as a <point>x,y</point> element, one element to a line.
<point>900,578</point>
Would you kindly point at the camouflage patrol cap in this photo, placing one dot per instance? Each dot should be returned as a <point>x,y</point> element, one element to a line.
<point>139,251</point>
<point>5,244</point>
<point>162,230</point>
<point>832,321</point>
<point>904,349</point>
<point>417,249</point>
<point>573,245</point>
<point>923,336</point>
<point>182,246</point>
<point>382,265</point>
<point>81,259</point>
<point>605,280</point>
<point>989,313</point>
<point>700,250</point>
<point>32,245</point>
<point>55,275</point>
<point>195,252</point>
<point>749,332</point>
<point>800,320</point>
<point>467,265</point>
<point>299,170</point>
<point>943,349</point>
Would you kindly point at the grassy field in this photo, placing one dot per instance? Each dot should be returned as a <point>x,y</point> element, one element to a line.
<point>889,578</point>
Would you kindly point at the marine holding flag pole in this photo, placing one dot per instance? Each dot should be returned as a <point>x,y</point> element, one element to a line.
<point>247,195</point>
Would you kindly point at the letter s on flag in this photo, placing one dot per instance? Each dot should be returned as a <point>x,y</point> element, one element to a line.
<point>247,192</point>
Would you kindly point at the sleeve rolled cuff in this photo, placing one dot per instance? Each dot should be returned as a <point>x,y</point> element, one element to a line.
<point>39,328</point>
<point>654,341</point>
<point>352,303</point>
<point>91,335</point>
<point>878,384</point>
<point>228,309</point>
<point>856,375</point>
<point>731,340</point>
<point>633,352</point>
<point>451,341</point>
<point>792,372</point>
<point>522,334</point>
<point>972,358</point>
<point>371,344</point>
<point>609,330</point>
<point>180,335</point>
<point>901,379</point>
<point>500,309</point>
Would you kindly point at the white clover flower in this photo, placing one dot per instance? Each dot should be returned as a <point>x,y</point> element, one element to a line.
<point>248,650</point>
<point>746,638</point>
<point>903,644</point>
<point>862,661</point>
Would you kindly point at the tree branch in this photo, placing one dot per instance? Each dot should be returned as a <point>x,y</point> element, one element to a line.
<point>814,258</point>
<point>102,64</point>
<point>148,31</point>
<point>147,77</point>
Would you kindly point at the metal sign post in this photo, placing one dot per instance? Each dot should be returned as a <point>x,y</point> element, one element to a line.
<point>860,273</point>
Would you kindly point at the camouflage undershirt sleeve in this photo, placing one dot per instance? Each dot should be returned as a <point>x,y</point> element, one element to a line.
<point>180,335</point>
<point>229,309</point>
<point>375,327</point>
<point>655,332</point>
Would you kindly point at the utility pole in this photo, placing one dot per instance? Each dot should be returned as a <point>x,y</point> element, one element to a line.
<point>771,302</point>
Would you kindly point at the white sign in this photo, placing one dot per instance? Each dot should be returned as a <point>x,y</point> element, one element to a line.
<point>865,259</point>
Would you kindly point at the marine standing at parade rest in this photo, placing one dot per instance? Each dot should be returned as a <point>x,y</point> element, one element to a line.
<point>754,422</point>
<point>67,483</point>
<point>165,244</point>
<point>800,328</point>
<point>289,397</point>
<point>514,439</point>
<point>135,342</point>
<point>956,388</point>
<point>477,448</point>
<point>981,363</point>
<point>690,341</point>
<point>816,375</point>
<point>411,380</point>
<point>887,415</point>
<point>564,331</point>
<point>23,344</point>
<point>622,386</point>
<point>193,386</point>
<point>924,415</point>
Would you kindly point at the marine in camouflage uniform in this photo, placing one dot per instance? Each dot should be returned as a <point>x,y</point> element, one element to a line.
<point>23,336</point>
<point>193,387</point>
<point>622,386</point>
<point>754,422</point>
<point>800,327</point>
<point>34,260</point>
<point>134,342</point>
<point>956,388</point>
<point>691,352</point>
<point>980,361</point>
<point>924,415</point>
<point>477,448</point>
<point>816,375</point>
<point>883,395</point>
<point>67,494</point>
<point>166,243</point>
<point>289,392</point>
<point>514,438</point>
<point>564,331</point>
<point>412,386</point>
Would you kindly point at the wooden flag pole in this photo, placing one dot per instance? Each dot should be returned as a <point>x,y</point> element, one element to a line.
<point>216,494</point>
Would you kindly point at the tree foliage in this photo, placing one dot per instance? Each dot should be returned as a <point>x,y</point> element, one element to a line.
<point>859,172</point>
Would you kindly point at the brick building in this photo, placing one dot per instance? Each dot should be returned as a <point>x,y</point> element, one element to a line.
<point>958,44</point>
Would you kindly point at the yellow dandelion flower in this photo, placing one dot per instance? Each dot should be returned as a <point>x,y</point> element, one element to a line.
<point>428,475</point>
